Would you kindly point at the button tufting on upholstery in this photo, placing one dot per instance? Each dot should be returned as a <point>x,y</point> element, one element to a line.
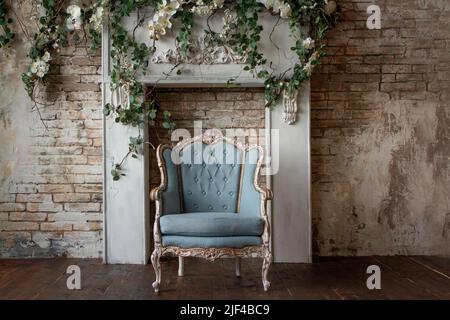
<point>225,206</point>
<point>210,207</point>
<point>211,182</point>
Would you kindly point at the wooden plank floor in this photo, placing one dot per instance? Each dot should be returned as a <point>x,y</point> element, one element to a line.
<point>327,278</point>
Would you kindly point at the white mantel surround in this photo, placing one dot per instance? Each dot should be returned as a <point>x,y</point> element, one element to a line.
<point>127,229</point>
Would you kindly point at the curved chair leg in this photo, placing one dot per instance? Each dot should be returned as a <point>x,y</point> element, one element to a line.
<point>265,269</point>
<point>238,266</point>
<point>180,266</point>
<point>156,255</point>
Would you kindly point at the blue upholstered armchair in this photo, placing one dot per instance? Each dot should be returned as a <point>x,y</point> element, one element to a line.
<point>209,203</point>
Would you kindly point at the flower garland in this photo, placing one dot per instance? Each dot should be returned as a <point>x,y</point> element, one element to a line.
<point>62,22</point>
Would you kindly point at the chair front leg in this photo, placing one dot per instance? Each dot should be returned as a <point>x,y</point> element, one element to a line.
<point>267,261</point>
<point>156,255</point>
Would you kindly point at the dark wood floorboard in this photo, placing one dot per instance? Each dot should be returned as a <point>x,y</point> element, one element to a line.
<point>327,278</point>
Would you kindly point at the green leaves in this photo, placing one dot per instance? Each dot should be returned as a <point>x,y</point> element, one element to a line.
<point>6,36</point>
<point>107,109</point>
<point>187,22</point>
<point>28,83</point>
<point>167,122</point>
<point>246,39</point>
<point>135,146</point>
<point>117,172</point>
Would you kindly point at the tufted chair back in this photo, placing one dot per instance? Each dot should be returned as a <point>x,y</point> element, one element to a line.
<point>216,177</point>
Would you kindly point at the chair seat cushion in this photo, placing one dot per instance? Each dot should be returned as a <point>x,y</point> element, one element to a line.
<point>211,242</point>
<point>211,224</point>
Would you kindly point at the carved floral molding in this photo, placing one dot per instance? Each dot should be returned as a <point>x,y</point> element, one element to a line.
<point>201,51</point>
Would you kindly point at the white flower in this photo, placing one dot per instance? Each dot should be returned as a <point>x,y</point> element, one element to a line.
<point>74,21</point>
<point>169,8</point>
<point>74,10</point>
<point>46,57</point>
<point>39,67</point>
<point>97,19</point>
<point>161,19</point>
<point>285,11</point>
<point>314,56</point>
<point>267,3</point>
<point>157,28</point>
<point>278,6</point>
<point>308,43</point>
<point>308,68</point>
<point>203,9</point>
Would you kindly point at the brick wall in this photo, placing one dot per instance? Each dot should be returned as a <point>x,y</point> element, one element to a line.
<point>51,179</point>
<point>380,127</point>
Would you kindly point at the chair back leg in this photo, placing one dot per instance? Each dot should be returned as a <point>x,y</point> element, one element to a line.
<point>238,266</point>
<point>180,266</point>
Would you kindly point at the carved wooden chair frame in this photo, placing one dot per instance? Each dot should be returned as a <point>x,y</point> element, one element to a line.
<point>262,251</point>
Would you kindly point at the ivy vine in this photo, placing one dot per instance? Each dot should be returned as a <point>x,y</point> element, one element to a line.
<point>7,35</point>
<point>62,23</point>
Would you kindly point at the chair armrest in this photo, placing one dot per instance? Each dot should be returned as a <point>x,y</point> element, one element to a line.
<point>268,194</point>
<point>155,194</point>
<point>265,192</point>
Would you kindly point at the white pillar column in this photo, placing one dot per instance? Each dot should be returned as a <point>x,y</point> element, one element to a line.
<point>291,206</point>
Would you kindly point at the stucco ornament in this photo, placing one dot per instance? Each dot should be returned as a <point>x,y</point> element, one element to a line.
<point>290,106</point>
<point>201,51</point>
<point>205,49</point>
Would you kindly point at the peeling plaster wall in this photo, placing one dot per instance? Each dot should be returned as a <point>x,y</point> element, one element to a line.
<point>380,119</point>
<point>50,179</point>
